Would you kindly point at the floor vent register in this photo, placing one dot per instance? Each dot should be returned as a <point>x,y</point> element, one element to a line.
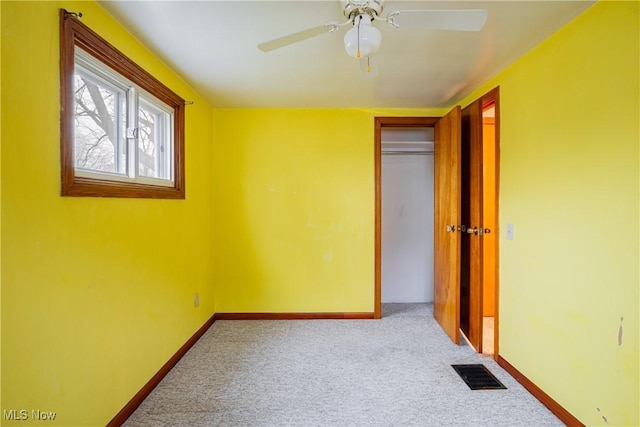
<point>478,377</point>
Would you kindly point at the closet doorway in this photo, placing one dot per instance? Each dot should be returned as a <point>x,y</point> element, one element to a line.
<point>388,123</point>
<point>407,214</point>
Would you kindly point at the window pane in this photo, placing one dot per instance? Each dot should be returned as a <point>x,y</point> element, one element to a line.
<point>99,117</point>
<point>153,141</point>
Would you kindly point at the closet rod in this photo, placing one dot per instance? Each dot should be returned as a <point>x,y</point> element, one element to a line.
<point>413,153</point>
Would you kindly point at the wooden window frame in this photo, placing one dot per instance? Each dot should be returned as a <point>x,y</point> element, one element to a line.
<point>74,33</point>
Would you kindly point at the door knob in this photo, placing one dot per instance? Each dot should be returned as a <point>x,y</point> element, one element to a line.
<point>471,230</point>
<point>451,228</point>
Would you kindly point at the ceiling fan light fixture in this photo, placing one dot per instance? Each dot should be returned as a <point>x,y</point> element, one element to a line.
<point>363,39</point>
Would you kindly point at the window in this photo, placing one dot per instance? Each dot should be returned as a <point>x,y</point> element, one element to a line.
<point>122,131</point>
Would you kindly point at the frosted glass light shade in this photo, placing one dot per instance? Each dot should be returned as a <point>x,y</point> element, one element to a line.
<point>370,38</point>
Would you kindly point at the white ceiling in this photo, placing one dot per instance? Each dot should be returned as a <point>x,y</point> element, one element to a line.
<point>212,45</point>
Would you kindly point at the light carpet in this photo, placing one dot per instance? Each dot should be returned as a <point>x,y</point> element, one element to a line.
<point>390,372</point>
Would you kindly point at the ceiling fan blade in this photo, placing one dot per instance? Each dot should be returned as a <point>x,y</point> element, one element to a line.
<point>297,37</point>
<point>454,19</point>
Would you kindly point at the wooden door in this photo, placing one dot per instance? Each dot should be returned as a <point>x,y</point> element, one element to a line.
<point>471,240</point>
<point>446,305</point>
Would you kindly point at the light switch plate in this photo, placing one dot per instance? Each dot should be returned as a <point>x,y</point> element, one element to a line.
<point>509,231</point>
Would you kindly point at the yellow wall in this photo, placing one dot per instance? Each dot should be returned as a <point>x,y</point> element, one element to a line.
<point>97,294</point>
<point>0,205</point>
<point>569,183</point>
<point>295,209</point>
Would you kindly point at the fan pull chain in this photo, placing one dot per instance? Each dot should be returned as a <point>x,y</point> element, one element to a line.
<point>368,64</point>
<point>359,21</point>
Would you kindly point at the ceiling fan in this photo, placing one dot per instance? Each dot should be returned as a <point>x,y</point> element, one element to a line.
<point>363,39</point>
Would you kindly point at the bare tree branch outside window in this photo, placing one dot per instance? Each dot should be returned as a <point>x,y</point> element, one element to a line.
<point>96,109</point>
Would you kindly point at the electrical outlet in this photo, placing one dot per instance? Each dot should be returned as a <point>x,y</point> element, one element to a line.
<point>196,299</point>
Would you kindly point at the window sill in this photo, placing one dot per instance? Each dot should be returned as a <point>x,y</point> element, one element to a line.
<point>88,187</point>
